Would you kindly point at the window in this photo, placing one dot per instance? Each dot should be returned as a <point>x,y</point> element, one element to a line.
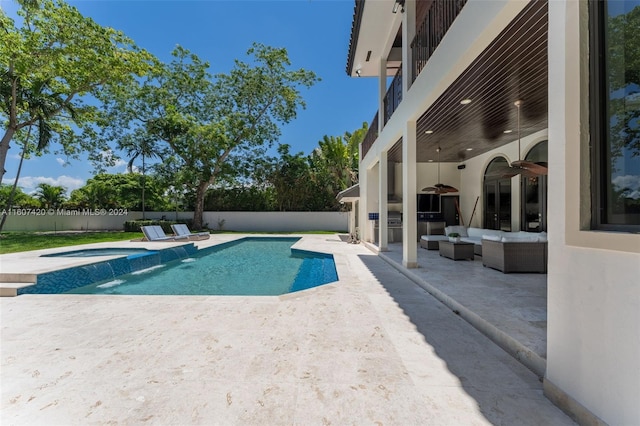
<point>615,114</point>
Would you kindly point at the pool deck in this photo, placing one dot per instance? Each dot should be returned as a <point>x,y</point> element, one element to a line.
<point>373,348</point>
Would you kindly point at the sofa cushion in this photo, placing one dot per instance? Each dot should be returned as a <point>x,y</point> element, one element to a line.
<point>434,238</point>
<point>515,237</point>
<point>481,232</point>
<point>462,230</point>
<point>491,237</point>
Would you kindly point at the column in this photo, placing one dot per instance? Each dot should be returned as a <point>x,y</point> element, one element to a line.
<point>382,202</point>
<point>409,191</point>
<point>363,217</point>
<point>382,92</point>
<point>408,33</point>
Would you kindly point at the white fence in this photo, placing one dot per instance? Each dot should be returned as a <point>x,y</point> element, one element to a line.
<point>82,220</point>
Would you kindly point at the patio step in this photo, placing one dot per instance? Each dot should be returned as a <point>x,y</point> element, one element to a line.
<point>11,289</point>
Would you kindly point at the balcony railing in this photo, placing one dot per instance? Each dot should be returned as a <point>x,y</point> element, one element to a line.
<point>430,33</point>
<point>393,97</point>
<point>428,36</point>
<point>370,137</point>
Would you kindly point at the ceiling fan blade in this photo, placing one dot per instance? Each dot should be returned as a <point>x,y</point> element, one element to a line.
<point>447,188</point>
<point>536,168</point>
<point>440,189</point>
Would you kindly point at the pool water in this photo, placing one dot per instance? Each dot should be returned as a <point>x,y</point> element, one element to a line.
<point>253,266</point>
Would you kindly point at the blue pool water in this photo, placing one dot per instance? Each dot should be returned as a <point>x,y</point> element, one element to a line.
<point>251,266</point>
<point>100,252</point>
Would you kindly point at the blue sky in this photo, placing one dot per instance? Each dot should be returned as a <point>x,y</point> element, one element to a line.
<point>314,32</point>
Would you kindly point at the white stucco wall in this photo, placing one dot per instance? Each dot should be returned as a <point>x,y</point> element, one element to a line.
<point>471,179</point>
<point>231,221</point>
<point>593,343</point>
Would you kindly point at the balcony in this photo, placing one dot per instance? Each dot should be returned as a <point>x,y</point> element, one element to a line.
<point>437,20</point>
<point>430,33</point>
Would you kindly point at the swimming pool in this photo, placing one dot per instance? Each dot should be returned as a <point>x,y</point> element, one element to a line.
<point>256,266</point>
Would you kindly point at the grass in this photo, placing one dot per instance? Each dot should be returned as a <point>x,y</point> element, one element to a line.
<point>13,242</point>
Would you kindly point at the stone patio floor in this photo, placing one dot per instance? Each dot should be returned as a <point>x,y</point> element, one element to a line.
<point>372,348</point>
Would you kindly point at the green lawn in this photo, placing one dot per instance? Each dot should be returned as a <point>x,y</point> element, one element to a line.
<point>12,242</point>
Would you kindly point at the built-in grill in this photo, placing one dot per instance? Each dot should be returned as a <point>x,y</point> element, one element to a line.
<point>394,219</point>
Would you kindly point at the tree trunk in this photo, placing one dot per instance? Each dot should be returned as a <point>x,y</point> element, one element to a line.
<point>199,210</point>
<point>15,184</point>
<point>4,149</point>
<point>143,185</point>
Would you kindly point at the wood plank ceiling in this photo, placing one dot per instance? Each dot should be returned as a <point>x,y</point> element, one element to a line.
<point>513,67</point>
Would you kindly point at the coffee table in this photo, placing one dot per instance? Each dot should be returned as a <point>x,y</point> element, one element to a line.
<point>456,251</point>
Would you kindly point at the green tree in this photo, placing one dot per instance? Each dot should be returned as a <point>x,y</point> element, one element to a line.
<point>139,144</point>
<point>334,165</point>
<point>216,128</point>
<point>51,65</point>
<point>110,191</point>
<point>20,198</point>
<point>291,180</point>
<point>50,196</point>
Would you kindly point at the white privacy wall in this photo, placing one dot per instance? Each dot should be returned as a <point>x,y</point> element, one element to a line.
<point>593,342</point>
<point>278,221</point>
<point>229,221</point>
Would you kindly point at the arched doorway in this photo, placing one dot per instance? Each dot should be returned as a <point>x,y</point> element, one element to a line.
<point>497,197</point>
<point>534,193</point>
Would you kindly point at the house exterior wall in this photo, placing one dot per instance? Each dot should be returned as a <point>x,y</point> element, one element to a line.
<point>472,177</point>
<point>593,342</point>
<point>593,335</point>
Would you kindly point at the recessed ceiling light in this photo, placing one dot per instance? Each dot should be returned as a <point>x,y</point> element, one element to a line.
<point>428,132</point>
<point>431,161</point>
<point>465,101</point>
<point>469,149</point>
<point>508,131</point>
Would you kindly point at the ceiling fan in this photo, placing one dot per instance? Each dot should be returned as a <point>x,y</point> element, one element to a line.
<point>521,167</point>
<point>439,188</point>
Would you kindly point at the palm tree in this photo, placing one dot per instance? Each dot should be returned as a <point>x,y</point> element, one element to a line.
<point>50,196</point>
<point>42,106</point>
<point>140,146</point>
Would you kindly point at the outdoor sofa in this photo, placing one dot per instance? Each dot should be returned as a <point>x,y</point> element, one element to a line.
<point>505,251</point>
<point>515,255</point>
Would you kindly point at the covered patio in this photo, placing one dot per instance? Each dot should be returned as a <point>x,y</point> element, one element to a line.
<point>510,309</point>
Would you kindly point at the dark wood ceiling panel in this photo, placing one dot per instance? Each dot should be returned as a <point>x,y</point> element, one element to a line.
<point>513,67</point>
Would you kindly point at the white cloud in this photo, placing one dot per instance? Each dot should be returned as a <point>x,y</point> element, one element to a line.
<point>61,161</point>
<point>118,163</point>
<point>632,182</point>
<point>30,183</point>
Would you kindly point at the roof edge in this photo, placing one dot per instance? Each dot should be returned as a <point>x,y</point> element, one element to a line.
<point>355,30</point>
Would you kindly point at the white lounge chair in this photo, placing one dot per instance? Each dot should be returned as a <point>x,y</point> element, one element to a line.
<point>155,233</point>
<point>183,230</point>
